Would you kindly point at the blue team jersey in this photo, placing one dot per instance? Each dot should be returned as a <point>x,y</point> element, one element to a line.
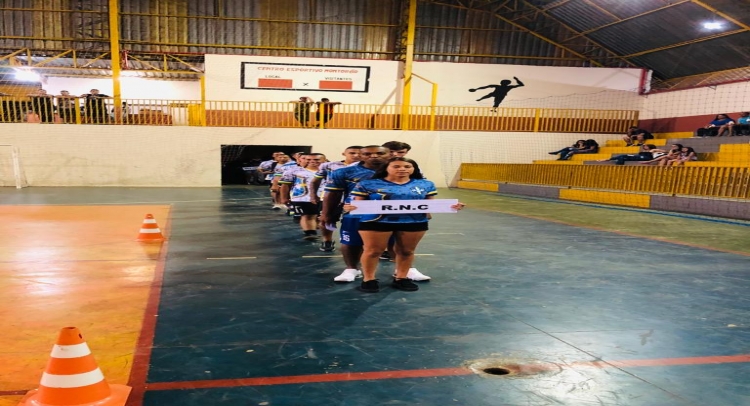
<point>345,179</point>
<point>381,189</point>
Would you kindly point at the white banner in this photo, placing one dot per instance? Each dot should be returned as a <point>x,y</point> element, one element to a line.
<point>288,76</point>
<point>404,206</point>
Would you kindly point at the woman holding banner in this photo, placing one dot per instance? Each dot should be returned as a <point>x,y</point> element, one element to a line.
<point>398,179</point>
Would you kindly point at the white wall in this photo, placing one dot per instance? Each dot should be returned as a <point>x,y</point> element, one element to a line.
<point>733,97</point>
<point>223,80</point>
<point>593,88</point>
<point>132,87</point>
<point>83,155</point>
<point>544,86</point>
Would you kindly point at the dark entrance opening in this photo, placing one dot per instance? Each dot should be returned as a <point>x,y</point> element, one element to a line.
<point>239,163</point>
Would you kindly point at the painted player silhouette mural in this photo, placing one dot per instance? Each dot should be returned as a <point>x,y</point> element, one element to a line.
<point>498,91</point>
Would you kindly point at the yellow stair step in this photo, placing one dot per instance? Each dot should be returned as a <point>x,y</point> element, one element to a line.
<point>559,162</point>
<point>590,157</point>
<point>620,143</point>
<point>680,134</point>
<point>719,164</point>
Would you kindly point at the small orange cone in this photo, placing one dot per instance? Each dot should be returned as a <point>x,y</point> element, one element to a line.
<point>150,230</point>
<point>72,377</point>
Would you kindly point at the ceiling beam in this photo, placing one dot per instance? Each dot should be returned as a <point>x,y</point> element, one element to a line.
<point>622,20</point>
<point>615,55</point>
<point>526,30</point>
<point>684,43</point>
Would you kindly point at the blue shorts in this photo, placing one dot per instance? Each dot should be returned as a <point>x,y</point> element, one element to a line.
<point>350,231</point>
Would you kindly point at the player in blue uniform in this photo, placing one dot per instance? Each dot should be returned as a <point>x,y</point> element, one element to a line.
<point>399,179</point>
<point>317,189</point>
<point>338,189</point>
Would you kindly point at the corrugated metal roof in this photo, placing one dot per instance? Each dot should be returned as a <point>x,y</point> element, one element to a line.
<point>102,68</point>
<point>708,56</point>
<point>475,31</point>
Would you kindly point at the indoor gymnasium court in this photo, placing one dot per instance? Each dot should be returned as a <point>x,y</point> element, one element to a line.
<point>602,257</point>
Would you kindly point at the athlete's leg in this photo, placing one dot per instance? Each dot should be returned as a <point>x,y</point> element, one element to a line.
<point>351,248</point>
<point>406,244</point>
<point>375,242</point>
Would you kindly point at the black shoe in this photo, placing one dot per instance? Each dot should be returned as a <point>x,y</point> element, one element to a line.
<point>404,284</point>
<point>327,246</point>
<point>385,256</point>
<point>372,286</point>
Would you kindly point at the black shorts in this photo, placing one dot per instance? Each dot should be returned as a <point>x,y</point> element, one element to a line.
<point>337,213</point>
<point>390,227</point>
<point>306,208</point>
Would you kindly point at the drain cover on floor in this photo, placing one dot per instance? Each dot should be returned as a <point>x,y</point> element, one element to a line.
<point>496,367</point>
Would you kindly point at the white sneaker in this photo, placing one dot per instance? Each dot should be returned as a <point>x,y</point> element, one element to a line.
<point>415,275</point>
<point>349,275</point>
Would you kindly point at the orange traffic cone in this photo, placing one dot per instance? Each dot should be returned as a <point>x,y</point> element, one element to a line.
<point>150,230</point>
<point>73,378</point>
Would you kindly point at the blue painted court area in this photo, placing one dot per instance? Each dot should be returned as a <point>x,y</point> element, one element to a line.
<point>568,304</point>
<point>571,300</point>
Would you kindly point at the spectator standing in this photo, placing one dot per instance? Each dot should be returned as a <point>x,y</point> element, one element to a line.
<point>43,105</point>
<point>66,107</point>
<point>324,111</point>
<point>302,110</point>
<point>95,105</point>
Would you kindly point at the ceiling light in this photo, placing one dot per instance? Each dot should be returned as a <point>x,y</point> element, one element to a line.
<point>713,26</point>
<point>25,75</point>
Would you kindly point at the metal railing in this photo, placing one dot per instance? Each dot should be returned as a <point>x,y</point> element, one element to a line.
<point>101,110</point>
<point>723,182</point>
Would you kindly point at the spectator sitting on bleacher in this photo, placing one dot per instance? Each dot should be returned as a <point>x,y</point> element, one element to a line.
<point>589,147</point>
<point>686,154</point>
<point>563,152</point>
<point>743,125</point>
<point>644,155</point>
<point>661,157</point>
<point>720,124</point>
<point>637,136</point>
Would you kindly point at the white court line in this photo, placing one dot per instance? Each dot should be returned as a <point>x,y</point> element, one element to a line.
<point>234,258</point>
<point>446,234</point>
<point>156,202</point>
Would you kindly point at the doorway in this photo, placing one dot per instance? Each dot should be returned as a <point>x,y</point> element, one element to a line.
<point>239,163</point>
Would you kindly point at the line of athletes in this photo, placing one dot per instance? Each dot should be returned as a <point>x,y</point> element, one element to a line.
<point>320,193</point>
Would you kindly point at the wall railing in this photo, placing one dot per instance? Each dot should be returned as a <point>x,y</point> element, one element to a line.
<point>78,110</point>
<point>720,182</point>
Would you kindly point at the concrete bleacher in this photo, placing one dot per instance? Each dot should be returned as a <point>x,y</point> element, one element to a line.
<point>712,151</point>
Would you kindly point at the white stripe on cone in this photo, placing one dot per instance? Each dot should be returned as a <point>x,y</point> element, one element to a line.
<point>150,230</point>
<point>72,381</point>
<point>149,221</point>
<point>70,351</point>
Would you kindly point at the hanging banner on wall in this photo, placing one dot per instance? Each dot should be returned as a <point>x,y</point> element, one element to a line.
<point>288,76</point>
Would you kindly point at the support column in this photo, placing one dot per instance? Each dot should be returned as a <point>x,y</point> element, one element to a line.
<point>114,47</point>
<point>408,60</point>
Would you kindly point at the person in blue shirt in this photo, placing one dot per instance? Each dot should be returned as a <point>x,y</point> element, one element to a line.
<point>399,179</point>
<point>720,124</point>
<point>338,189</point>
<point>743,125</point>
